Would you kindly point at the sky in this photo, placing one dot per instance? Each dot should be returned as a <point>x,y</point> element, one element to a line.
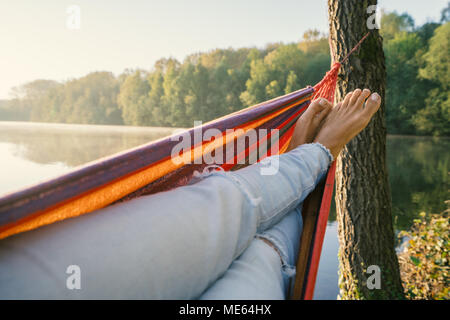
<point>43,39</point>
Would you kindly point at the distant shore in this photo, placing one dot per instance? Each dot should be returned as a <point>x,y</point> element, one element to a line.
<point>83,128</point>
<point>99,128</point>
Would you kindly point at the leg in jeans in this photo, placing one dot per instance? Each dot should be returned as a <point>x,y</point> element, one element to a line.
<point>264,271</point>
<point>171,245</point>
<point>257,272</point>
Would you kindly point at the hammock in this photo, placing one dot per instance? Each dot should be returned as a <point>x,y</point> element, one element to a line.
<point>149,169</point>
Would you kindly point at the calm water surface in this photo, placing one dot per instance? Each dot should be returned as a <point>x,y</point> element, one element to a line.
<point>32,152</point>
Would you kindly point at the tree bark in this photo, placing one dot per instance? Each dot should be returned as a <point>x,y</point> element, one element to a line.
<point>363,200</point>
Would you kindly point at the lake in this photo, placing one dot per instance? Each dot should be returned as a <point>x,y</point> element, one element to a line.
<point>31,152</point>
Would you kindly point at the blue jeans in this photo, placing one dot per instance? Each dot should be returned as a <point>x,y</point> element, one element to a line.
<point>198,241</point>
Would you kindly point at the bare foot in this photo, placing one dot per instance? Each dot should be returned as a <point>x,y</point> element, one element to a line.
<point>347,119</point>
<point>309,123</point>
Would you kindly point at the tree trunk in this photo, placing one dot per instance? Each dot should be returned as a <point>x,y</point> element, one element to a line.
<point>363,200</point>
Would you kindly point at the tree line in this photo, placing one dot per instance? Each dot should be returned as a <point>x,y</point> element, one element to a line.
<point>209,85</point>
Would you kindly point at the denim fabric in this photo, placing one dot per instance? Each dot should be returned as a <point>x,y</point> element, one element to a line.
<point>170,245</point>
<point>262,272</point>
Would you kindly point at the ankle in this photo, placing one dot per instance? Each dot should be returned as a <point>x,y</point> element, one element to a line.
<point>333,147</point>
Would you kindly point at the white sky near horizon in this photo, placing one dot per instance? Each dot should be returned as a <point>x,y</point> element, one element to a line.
<point>35,42</point>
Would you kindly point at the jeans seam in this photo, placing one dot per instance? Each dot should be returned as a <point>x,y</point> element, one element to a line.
<point>274,211</point>
<point>238,183</point>
<point>288,269</point>
<point>251,201</point>
<point>325,149</point>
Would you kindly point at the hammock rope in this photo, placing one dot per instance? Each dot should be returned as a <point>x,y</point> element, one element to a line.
<point>356,47</point>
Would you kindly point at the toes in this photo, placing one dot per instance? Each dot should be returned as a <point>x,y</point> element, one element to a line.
<point>325,104</point>
<point>347,99</point>
<point>356,94</point>
<point>318,105</point>
<point>320,116</point>
<point>373,103</point>
<point>313,108</point>
<point>363,96</point>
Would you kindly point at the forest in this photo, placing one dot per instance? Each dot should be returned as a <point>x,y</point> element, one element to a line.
<point>208,85</point>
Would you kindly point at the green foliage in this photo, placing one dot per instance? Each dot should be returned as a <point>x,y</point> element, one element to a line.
<point>133,99</point>
<point>434,118</point>
<point>437,59</point>
<point>203,87</point>
<point>424,263</point>
<point>417,64</point>
<point>286,69</point>
<point>27,98</point>
<point>404,92</point>
<point>393,23</point>
<point>90,99</point>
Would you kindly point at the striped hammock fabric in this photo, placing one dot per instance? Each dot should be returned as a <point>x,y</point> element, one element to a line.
<point>149,169</point>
